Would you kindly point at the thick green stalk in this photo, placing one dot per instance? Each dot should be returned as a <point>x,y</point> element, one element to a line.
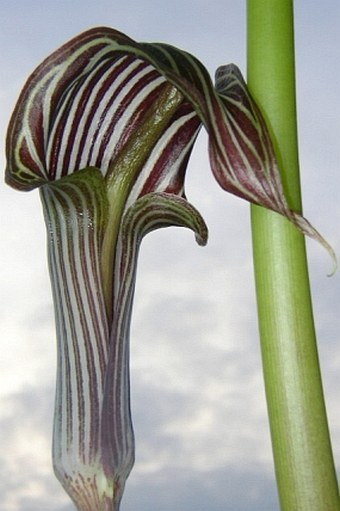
<point>302,451</point>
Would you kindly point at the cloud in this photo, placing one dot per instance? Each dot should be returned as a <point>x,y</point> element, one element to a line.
<point>219,490</point>
<point>26,481</point>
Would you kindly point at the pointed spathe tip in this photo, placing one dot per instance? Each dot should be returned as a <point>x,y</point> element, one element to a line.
<point>307,228</point>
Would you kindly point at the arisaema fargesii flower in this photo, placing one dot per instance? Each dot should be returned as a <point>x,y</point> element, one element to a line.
<point>104,128</point>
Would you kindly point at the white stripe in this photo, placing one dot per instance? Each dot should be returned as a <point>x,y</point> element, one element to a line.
<point>126,116</point>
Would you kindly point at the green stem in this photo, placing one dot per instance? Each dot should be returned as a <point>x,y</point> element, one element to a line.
<point>301,445</point>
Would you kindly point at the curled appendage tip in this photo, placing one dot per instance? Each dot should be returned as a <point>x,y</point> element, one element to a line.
<point>307,229</point>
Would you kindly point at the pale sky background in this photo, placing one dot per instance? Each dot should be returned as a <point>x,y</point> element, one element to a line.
<point>202,439</point>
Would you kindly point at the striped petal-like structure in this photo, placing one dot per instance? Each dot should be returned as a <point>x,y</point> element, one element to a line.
<point>104,127</point>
